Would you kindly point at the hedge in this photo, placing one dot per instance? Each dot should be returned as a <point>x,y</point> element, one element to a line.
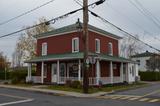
<point>2,75</point>
<point>16,76</point>
<point>149,76</point>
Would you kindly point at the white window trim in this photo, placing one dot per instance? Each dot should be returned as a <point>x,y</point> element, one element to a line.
<point>76,38</point>
<point>99,46</point>
<point>44,50</point>
<point>111,48</point>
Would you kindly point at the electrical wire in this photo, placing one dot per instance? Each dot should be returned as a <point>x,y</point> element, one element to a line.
<point>25,13</point>
<point>142,11</point>
<point>131,20</point>
<point>125,32</point>
<point>54,19</point>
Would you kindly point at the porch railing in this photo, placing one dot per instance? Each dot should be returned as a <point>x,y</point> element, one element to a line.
<point>63,80</point>
<point>116,79</point>
<point>34,79</point>
<point>92,80</point>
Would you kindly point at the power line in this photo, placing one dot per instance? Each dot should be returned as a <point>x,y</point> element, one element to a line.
<point>147,11</point>
<point>144,13</point>
<point>54,19</point>
<point>131,20</point>
<point>27,12</point>
<point>104,20</point>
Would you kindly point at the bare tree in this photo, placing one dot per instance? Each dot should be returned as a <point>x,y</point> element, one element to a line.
<point>3,62</point>
<point>153,63</point>
<point>26,44</point>
<point>130,46</point>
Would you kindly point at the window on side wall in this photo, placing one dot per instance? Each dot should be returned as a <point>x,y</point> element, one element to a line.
<point>44,49</point>
<point>133,70</point>
<point>75,44</point>
<point>138,61</point>
<point>110,48</point>
<point>97,45</point>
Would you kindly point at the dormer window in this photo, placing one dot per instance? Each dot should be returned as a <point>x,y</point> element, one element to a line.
<point>97,45</point>
<point>44,49</point>
<point>75,44</point>
<point>110,48</point>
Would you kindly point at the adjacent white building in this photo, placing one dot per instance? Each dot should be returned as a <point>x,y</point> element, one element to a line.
<point>142,60</point>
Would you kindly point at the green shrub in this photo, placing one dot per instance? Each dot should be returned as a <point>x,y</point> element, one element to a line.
<point>150,76</point>
<point>19,75</point>
<point>2,75</point>
<point>76,84</point>
<point>68,83</point>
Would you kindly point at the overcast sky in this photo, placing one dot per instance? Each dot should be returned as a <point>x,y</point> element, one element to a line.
<point>120,12</point>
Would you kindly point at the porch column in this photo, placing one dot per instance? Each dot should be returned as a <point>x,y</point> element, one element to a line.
<point>58,71</point>
<point>97,72</point>
<point>29,72</point>
<point>136,69</point>
<point>121,72</point>
<point>42,72</point>
<point>111,72</point>
<point>79,70</point>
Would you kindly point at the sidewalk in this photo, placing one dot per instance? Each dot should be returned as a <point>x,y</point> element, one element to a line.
<point>54,92</point>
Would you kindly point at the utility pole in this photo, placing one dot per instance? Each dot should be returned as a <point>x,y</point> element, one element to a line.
<point>85,38</point>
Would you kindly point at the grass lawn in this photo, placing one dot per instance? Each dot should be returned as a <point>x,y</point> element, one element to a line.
<point>96,89</point>
<point>106,88</point>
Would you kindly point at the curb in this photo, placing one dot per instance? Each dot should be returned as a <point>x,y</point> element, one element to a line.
<point>56,92</point>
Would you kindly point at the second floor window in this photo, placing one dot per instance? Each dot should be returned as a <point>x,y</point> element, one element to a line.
<point>97,45</point>
<point>110,48</point>
<point>44,49</point>
<point>75,45</point>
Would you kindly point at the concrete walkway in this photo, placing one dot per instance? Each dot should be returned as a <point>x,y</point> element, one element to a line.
<point>54,92</point>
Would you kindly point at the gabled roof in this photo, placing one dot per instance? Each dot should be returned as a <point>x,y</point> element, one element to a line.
<point>74,27</point>
<point>145,54</point>
<point>78,55</point>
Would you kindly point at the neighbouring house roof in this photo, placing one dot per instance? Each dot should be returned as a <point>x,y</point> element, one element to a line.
<point>145,54</point>
<point>78,55</point>
<point>74,27</point>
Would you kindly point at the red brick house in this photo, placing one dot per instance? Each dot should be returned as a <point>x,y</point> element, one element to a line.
<point>60,56</point>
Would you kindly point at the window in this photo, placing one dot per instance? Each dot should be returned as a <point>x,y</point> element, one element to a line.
<point>75,45</point>
<point>138,61</point>
<point>44,49</point>
<point>133,70</point>
<point>147,62</point>
<point>97,45</point>
<point>110,48</point>
<point>62,70</point>
<point>73,70</point>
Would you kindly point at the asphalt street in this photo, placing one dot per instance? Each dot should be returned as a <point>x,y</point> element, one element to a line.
<point>14,97</point>
<point>152,88</point>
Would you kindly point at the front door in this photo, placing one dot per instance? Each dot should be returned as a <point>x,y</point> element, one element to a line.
<point>54,73</point>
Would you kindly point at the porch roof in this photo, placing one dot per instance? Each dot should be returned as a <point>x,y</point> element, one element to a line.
<point>78,55</point>
<point>52,57</point>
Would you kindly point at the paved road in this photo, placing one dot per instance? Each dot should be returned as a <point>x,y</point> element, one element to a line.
<point>150,94</point>
<point>26,98</point>
<point>155,87</point>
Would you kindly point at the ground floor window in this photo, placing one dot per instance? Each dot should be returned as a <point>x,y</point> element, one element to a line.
<point>62,69</point>
<point>73,70</point>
